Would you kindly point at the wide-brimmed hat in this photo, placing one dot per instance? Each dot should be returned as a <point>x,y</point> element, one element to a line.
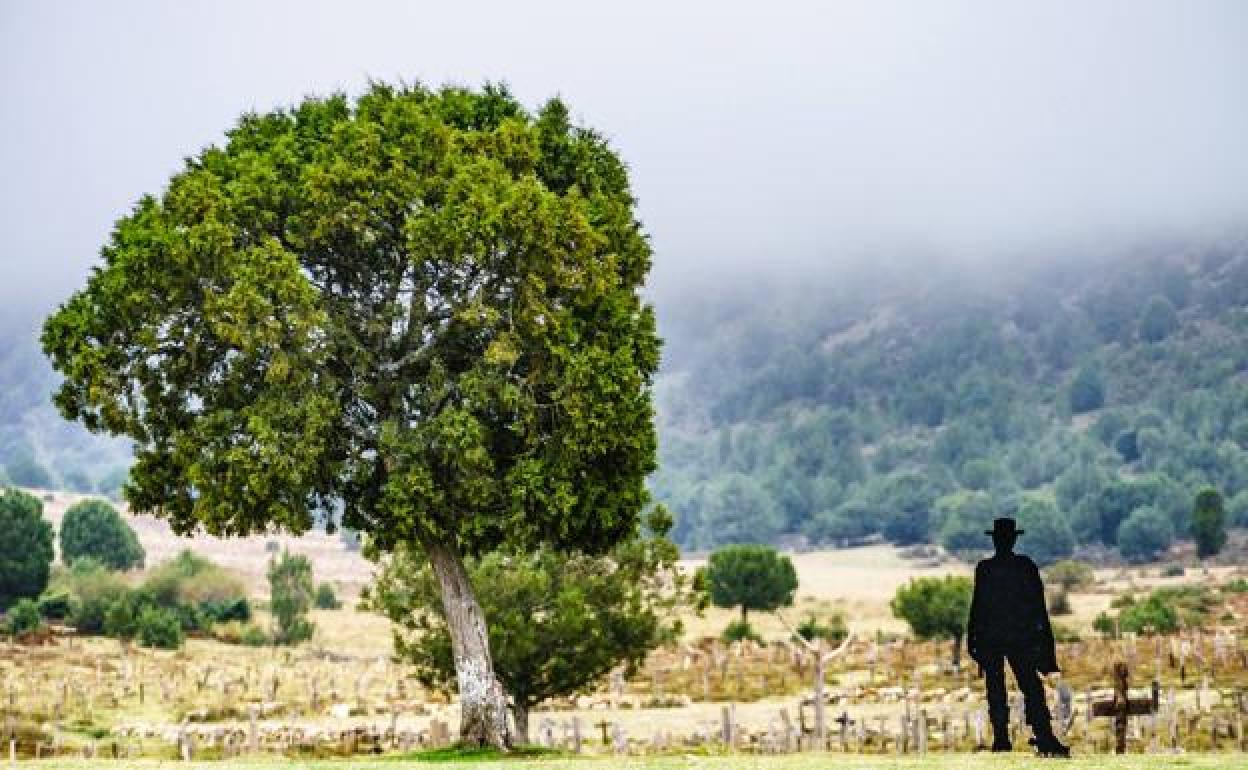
<point>1003,527</point>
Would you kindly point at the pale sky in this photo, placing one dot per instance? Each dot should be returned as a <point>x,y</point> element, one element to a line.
<point>759,134</point>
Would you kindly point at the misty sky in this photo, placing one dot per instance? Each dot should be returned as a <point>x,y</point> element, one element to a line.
<point>758,133</point>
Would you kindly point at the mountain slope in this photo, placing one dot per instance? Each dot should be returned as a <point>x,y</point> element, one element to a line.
<point>917,404</point>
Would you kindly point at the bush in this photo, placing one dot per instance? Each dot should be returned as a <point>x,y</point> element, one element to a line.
<point>94,528</point>
<point>1236,586</point>
<point>1153,615</point>
<point>254,636</point>
<point>199,592</point>
<point>92,589</point>
<point>1173,570</point>
<point>121,620</point>
<point>291,595</point>
<point>25,547</point>
<point>1070,575</point>
<point>22,617</point>
<point>740,630</point>
<point>159,628</point>
<point>55,606</point>
<point>1105,624</point>
<point>1158,320</point>
<point>326,599</point>
<point>834,630</point>
<point>1049,538</point>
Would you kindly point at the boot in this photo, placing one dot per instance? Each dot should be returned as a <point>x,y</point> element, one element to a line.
<point>1047,745</point>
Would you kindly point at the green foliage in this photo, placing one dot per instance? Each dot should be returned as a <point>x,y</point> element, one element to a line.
<point>1208,522</point>
<point>197,591</point>
<point>326,598</point>
<point>1158,320</point>
<point>121,620</point>
<point>1070,575</point>
<point>290,597</point>
<point>1145,535</point>
<point>834,630</point>
<point>159,628</point>
<point>934,607</point>
<point>94,528</point>
<point>752,577</point>
<point>22,617</point>
<point>25,547</point>
<point>92,589</point>
<point>1153,615</point>
<point>739,630</point>
<point>478,268</point>
<point>55,605</point>
<point>1049,538</point>
<point>1087,391</point>
<point>558,621</point>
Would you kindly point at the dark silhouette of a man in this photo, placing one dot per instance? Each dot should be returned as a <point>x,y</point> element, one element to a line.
<point>1009,621</point>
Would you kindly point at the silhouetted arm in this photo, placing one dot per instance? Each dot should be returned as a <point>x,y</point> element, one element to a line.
<point>1047,646</point>
<point>973,617</point>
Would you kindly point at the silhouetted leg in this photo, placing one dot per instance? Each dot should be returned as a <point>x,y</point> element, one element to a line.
<point>998,706</point>
<point>1036,707</point>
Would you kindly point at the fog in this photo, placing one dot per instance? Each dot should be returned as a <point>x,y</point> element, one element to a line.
<point>760,135</point>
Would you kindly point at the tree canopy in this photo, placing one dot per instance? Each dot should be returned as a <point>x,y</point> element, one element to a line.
<point>935,608</point>
<point>25,547</point>
<point>752,577</point>
<point>94,528</point>
<point>1209,522</point>
<point>421,307</point>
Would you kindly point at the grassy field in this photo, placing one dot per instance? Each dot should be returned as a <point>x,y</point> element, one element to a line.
<point>1017,761</point>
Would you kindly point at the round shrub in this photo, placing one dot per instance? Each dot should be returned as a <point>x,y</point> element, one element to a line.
<point>25,547</point>
<point>159,628</point>
<point>94,528</point>
<point>740,630</point>
<point>23,616</point>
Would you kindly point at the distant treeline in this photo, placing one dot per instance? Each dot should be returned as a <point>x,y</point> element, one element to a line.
<point>1093,399</point>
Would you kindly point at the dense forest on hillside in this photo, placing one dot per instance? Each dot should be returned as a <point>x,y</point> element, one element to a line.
<point>1090,397</point>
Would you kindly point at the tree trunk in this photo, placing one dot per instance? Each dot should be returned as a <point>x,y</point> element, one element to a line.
<point>483,703</point>
<point>520,710</point>
<point>745,615</point>
<point>957,650</point>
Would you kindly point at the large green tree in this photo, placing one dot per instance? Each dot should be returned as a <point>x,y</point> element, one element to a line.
<point>558,621</point>
<point>752,577</point>
<point>94,528</point>
<point>25,547</point>
<point>422,307</point>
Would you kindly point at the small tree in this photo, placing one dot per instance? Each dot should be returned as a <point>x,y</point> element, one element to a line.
<point>752,577</point>
<point>1209,522</point>
<point>1087,391</point>
<point>23,617</point>
<point>25,547</point>
<point>1145,534</point>
<point>936,608</point>
<point>290,597</point>
<point>559,622</point>
<point>94,528</point>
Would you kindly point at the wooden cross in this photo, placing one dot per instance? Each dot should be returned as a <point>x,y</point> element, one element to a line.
<point>1122,706</point>
<point>604,725</point>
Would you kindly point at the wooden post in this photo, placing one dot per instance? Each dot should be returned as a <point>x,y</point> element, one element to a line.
<point>576,734</point>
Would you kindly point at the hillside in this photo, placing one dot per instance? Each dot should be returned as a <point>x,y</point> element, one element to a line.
<point>916,404</point>
<point>912,402</point>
